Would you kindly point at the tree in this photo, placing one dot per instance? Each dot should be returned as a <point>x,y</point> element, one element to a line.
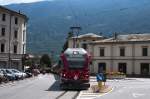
<point>65,46</point>
<point>45,61</point>
<point>28,62</point>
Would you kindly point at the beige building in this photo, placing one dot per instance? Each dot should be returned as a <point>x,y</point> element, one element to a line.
<point>12,38</point>
<point>123,53</point>
<point>83,40</point>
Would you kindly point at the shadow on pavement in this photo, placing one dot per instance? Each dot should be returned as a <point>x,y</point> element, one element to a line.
<point>57,77</point>
<point>54,87</point>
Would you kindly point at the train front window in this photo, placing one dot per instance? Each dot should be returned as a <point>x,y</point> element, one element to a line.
<point>75,64</point>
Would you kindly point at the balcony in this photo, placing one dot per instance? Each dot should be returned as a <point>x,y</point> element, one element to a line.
<point>12,56</point>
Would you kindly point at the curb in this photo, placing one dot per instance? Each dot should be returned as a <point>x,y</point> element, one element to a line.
<point>90,95</point>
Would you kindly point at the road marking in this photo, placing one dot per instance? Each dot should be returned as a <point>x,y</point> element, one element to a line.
<point>136,95</point>
<point>89,95</point>
<point>76,95</point>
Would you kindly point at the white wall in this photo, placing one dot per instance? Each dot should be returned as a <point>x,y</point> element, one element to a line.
<point>19,41</point>
<point>20,27</point>
<point>132,66</point>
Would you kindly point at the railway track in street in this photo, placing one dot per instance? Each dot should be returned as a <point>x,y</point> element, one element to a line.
<point>69,94</point>
<point>40,87</point>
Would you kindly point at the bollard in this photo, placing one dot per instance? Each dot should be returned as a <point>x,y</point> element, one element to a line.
<point>101,81</point>
<point>100,84</point>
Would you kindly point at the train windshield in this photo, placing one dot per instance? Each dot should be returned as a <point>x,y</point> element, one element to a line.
<point>75,63</point>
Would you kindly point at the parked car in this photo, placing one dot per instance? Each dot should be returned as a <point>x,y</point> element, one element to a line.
<point>8,74</point>
<point>2,77</point>
<point>28,73</point>
<point>18,74</point>
<point>1,73</point>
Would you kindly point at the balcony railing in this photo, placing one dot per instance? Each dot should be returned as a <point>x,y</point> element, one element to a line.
<point>12,56</point>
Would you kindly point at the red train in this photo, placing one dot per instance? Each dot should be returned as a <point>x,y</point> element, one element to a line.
<point>75,72</point>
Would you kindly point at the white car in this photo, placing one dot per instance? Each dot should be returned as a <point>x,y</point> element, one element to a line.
<point>8,74</point>
<point>18,73</point>
<point>1,73</point>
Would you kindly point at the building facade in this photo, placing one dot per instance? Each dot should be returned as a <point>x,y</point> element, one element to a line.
<point>82,41</point>
<point>12,38</point>
<point>123,53</point>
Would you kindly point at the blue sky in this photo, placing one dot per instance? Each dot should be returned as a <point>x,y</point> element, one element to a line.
<point>6,2</point>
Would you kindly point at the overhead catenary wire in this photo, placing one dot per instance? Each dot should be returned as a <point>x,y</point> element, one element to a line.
<point>76,23</point>
<point>75,28</point>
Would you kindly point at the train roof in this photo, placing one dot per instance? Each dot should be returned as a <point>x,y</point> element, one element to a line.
<point>75,51</point>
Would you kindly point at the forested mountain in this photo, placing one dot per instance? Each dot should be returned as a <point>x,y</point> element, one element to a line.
<point>49,21</point>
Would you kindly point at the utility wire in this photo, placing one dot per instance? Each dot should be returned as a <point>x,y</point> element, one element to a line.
<point>73,13</point>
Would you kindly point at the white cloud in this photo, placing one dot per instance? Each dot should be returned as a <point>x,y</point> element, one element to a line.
<point>5,2</point>
<point>68,17</point>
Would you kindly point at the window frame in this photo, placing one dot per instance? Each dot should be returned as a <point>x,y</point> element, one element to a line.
<point>3,31</point>
<point>3,17</point>
<point>15,49</point>
<point>102,51</point>
<point>84,45</point>
<point>15,34</point>
<point>143,52</point>
<point>16,20</point>
<point>122,51</point>
<point>2,48</point>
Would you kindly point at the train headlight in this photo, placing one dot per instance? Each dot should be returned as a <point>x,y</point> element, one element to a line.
<point>75,77</point>
<point>64,75</point>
